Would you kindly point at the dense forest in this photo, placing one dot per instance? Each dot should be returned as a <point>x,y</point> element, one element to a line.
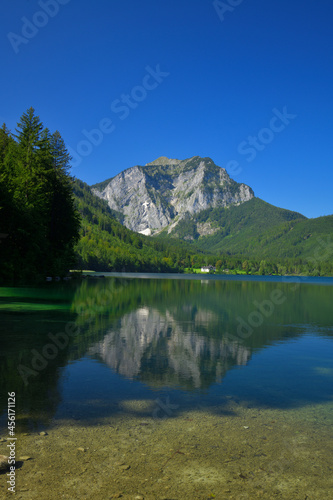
<point>39,223</point>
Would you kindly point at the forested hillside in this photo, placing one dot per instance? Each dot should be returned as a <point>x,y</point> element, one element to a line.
<point>38,221</point>
<point>258,230</point>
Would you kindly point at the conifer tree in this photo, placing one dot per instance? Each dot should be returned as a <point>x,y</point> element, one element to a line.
<point>64,221</point>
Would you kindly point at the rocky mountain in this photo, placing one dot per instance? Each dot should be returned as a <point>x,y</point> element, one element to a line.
<point>162,193</point>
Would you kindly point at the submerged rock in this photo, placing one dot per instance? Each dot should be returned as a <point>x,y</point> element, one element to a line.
<point>125,467</point>
<point>3,462</point>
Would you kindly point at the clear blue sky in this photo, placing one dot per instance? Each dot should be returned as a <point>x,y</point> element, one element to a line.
<point>181,78</point>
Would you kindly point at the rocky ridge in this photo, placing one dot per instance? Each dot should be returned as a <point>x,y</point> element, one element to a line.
<point>161,193</point>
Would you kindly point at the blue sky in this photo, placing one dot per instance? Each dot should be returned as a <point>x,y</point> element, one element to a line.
<point>245,82</point>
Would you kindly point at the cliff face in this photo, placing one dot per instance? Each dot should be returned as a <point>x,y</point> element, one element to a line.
<point>161,193</point>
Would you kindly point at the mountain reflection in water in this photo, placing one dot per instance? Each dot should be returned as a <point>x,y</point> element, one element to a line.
<point>164,333</point>
<point>145,341</point>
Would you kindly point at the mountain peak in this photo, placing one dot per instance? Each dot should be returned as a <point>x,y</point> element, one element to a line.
<point>160,194</point>
<point>163,160</point>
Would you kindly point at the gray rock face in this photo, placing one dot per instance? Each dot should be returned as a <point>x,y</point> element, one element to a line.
<point>134,338</point>
<point>160,193</point>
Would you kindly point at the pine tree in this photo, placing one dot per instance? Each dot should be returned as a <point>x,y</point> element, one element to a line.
<point>64,220</point>
<point>30,147</point>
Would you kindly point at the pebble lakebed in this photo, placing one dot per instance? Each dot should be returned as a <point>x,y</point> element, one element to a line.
<point>231,450</point>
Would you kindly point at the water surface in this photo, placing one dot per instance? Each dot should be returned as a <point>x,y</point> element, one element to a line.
<point>175,388</point>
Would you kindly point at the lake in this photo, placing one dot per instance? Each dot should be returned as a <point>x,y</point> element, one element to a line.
<point>169,387</point>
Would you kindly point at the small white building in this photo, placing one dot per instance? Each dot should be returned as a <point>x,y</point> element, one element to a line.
<point>207,269</point>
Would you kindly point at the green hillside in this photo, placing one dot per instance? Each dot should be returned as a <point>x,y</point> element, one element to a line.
<point>255,229</point>
<point>254,237</point>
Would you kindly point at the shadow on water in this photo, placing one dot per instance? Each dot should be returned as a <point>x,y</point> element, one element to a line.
<point>85,351</point>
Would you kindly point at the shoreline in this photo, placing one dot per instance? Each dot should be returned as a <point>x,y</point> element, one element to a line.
<point>212,277</point>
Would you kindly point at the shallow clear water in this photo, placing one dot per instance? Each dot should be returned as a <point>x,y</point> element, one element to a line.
<point>175,388</point>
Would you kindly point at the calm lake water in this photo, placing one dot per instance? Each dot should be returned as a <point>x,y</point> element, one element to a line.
<point>201,387</point>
